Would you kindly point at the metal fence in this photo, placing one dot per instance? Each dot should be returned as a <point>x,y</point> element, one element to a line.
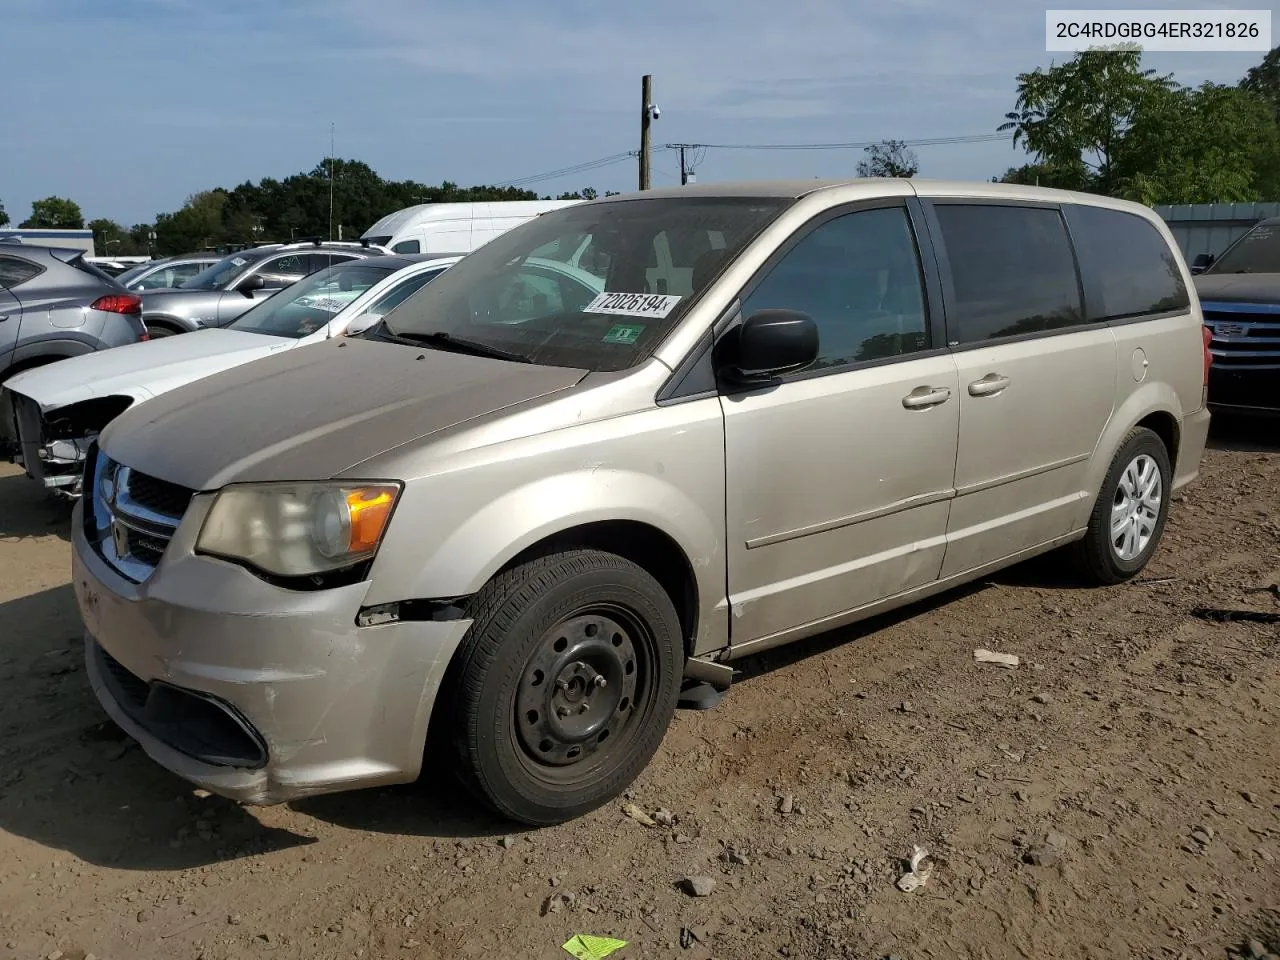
<point>1211,227</point>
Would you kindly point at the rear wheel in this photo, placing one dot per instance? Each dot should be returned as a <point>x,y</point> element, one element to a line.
<point>156,332</point>
<point>565,684</point>
<point>1129,515</point>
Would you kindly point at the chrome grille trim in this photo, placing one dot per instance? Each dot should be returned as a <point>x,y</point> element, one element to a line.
<point>129,536</point>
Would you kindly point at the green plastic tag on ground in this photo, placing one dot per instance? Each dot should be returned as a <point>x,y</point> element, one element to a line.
<point>586,947</point>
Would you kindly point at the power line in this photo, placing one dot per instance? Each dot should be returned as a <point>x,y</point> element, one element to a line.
<point>851,145</point>
<point>699,152</point>
<point>567,171</point>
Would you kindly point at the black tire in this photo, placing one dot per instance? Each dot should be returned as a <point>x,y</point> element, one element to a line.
<point>1098,557</point>
<point>544,631</point>
<point>156,332</point>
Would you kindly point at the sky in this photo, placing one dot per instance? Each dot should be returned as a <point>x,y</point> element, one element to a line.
<point>130,106</point>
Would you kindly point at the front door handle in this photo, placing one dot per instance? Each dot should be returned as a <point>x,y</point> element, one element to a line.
<point>988,386</point>
<point>922,397</point>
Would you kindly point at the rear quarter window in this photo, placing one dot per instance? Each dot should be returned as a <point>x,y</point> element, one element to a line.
<point>1129,269</point>
<point>15,271</point>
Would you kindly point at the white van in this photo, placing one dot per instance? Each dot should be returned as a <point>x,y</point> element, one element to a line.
<point>453,227</point>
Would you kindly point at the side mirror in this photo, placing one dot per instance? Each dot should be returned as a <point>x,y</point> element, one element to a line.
<point>1202,262</point>
<point>249,284</point>
<point>771,343</point>
<point>360,324</point>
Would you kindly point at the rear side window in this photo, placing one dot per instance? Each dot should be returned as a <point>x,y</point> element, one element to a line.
<point>1012,270</point>
<point>1131,269</point>
<point>407,246</point>
<point>14,271</point>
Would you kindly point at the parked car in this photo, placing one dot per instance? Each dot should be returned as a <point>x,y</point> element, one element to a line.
<point>520,515</point>
<point>166,273</point>
<point>1240,295</point>
<point>59,410</point>
<point>438,227</point>
<point>222,292</point>
<point>54,305</point>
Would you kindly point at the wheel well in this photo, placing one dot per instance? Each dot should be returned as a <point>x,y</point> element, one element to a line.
<point>164,323</point>
<point>29,364</point>
<point>1164,426</point>
<point>647,547</point>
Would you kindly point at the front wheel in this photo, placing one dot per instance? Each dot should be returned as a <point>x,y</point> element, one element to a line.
<point>1129,515</point>
<point>565,684</point>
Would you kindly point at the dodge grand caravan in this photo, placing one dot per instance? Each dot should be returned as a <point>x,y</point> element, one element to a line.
<point>532,512</point>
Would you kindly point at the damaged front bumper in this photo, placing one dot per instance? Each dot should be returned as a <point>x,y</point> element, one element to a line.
<point>254,692</point>
<point>50,447</point>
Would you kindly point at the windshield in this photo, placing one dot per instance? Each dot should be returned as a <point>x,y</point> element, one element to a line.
<point>217,276</point>
<point>306,306</point>
<point>590,286</point>
<point>134,272</point>
<point>1258,251</point>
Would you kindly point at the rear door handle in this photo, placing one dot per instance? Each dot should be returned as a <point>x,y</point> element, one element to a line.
<point>922,397</point>
<point>988,386</point>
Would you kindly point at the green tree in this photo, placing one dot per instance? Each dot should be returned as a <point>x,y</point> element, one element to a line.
<point>55,213</point>
<point>1263,81</point>
<point>1212,144</point>
<point>1061,177</point>
<point>197,226</point>
<point>888,158</point>
<point>1081,111</point>
<point>110,237</point>
<point>4,217</point>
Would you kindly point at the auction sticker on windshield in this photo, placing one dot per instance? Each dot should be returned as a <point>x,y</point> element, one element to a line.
<point>633,304</point>
<point>624,333</point>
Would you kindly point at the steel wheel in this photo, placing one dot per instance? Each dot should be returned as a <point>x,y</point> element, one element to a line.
<point>1136,509</point>
<point>586,680</point>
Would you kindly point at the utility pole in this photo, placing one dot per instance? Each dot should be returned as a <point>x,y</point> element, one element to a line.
<point>684,171</point>
<point>646,117</point>
<point>330,181</point>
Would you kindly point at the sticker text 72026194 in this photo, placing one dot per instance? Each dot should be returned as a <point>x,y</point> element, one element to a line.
<point>633,304</point>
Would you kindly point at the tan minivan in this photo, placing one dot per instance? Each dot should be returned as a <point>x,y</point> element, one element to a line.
<point>537,503</point>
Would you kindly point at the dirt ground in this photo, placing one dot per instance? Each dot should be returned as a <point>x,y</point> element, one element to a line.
<point>1117,795</point>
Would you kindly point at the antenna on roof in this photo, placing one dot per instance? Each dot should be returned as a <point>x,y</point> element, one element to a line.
<point>331,180</point>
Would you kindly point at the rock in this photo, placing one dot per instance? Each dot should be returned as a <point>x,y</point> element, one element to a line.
<point>507,843</point>
<point>144,916</point>
<point>1201,837</point>
<point>56,955</point>
<point>740,858</point>
<point>1206,830</point>
<point>664,818</point>
<point>786,804</point>
<point>1042,698</point>
<point>1043,856</point>
<point>234,920</point>
<point>698,886</point>
<point>1256,950</point>
<point>410,920</point>
<point>1021,796</point>
<point>463,863</point>
<point>1057,840</point>
<point>682,838</point>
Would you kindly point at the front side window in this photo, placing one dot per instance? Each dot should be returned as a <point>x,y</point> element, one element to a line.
<point>1258,251</point>
<point>219,275</point>
<point>311,303</point>
<point>633,268</point>
<point>1133,270</point>
<point>15,271</point>
<point>401,292</point>
<point>1012,270</point>
<point>858,277</point>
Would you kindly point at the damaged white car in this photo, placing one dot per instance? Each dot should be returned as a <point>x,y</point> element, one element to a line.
<point>50,415</point>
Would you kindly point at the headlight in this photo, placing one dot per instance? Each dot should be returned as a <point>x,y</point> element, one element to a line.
<point>298,529</point>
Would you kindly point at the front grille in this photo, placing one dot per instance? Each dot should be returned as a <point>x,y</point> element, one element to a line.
<point>159,495</point>
<point>1243,338</point>
<point>132,516</point>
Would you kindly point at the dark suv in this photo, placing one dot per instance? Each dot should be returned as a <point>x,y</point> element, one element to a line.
<point>219,294</point>
<point>1240,296</point>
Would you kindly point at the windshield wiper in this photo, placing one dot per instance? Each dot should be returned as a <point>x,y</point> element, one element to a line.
<point>448,341</point>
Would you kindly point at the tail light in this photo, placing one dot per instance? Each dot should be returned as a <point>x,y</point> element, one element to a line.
<point>1208,357</point>
<point>118,303</point>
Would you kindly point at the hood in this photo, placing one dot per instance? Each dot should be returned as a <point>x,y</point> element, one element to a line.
<point>1239,287</point>
<point>142,370</point>
<point>316,411</point>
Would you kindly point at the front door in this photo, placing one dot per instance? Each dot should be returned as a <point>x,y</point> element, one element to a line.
<point>839,478</point>
<point>1037,383</point>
